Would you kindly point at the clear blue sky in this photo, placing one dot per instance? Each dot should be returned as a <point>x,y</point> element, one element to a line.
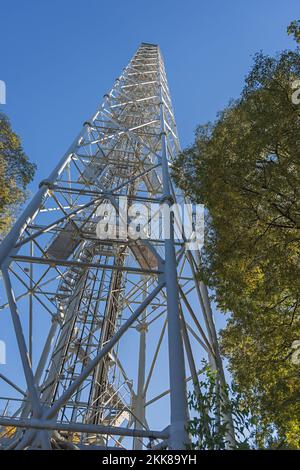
<point>58,58</point>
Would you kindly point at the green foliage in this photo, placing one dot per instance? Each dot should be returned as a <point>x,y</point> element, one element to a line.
<point>245,168</point>
<point>294,29</point>
<point>15,173</point>
<point>207,430</point>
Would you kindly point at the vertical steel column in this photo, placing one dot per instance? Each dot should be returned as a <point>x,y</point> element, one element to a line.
<point>178,395</point>
<point>140,395</point>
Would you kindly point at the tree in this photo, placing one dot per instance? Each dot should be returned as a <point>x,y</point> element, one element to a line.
<point>15,173</point>
<point>245,168</point>
<point>206,429</point>
<point>294,29</point>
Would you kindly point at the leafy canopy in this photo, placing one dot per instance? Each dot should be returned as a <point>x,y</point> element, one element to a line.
<point>294,29</point>
<point>245,168</point>
<point>15,173</point>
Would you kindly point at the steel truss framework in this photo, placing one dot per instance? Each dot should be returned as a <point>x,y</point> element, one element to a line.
<point>111,332</point>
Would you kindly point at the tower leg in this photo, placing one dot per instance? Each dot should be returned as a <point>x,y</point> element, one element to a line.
<point>179,409</point>
<point>178,395</point>
<point>140,397</point>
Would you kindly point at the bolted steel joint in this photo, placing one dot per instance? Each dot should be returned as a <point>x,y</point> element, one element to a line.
<point>46,183</point>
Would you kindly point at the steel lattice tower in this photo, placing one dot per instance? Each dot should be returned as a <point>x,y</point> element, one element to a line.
<point>109,334</point>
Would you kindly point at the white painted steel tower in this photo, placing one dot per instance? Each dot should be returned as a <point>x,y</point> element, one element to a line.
<point>108,334</point>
